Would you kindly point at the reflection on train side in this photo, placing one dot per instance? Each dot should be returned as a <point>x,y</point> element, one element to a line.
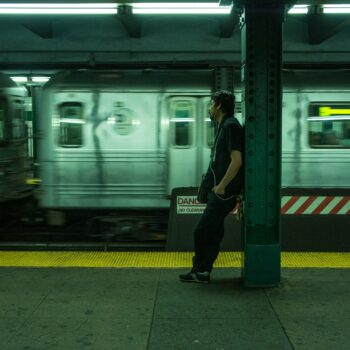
<point>329,125</point>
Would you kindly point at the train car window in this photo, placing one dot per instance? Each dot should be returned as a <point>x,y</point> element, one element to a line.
<point>238,112</point>
<point>18,120</point>
<point>329,125</point>
<point>2,120</point>
<point>71,124</point>
<point>182,120</point>
<point>209,129</point>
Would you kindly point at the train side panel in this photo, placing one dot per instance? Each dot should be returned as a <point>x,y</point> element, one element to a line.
<point>305,165</point>
<point>128,146</point>
<point>106,151</point>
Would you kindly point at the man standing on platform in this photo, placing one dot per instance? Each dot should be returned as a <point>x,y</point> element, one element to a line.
<point>227,175</point>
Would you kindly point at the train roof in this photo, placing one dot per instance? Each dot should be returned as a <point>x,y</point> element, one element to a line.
<point>139,79</point>
<point>185,80</point>
<point>316,79</point>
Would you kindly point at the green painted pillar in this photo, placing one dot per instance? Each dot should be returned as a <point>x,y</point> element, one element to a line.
<point>261,29</point>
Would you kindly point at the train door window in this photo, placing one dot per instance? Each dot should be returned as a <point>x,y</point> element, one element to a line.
<point>182,123</point>
<point>17,121</point>
<point>2,119</point>
<point>209,129</point>
<point>329,125</point>
<point>238,112</point>
<point>71,124</point>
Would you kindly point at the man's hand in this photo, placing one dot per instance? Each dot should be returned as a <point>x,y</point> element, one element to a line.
<point>219,189</point>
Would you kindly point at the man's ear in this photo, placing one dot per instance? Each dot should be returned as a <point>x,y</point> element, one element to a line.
<point>218,106</point>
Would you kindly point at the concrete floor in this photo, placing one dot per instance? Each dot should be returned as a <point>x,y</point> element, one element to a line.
<point>122,309</point>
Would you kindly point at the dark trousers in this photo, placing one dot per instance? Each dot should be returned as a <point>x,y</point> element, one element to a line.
<point>210,231</point>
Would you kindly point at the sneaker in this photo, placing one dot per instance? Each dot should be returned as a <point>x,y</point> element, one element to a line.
<point>197,277</point>
<point>187,277</point>
<point>203,277</point>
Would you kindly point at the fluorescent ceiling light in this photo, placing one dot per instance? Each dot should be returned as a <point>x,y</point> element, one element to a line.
<point>336,8</point>
<point>18,11</point>
<point>40,79</point>
<point>144,8</point>
<point>178,11</point>
<point>180,8</point>
<point>298,9</point>
<point>340,5</point>
<point>175,5</point>
<point>111,8</point>
<point>80,5</point>
<point>303,9</point>
<point>59,9</point>
<point>19,79</point>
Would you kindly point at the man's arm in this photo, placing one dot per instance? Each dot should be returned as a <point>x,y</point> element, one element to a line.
<point>231,172</point>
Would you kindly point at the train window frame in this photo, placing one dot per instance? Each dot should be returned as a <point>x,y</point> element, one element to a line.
<point>210,129</point>
<point>80,124</point>
<point>190,121</point>
<point>3,139</point>
<point>325,136</point>
<point>18,129</point>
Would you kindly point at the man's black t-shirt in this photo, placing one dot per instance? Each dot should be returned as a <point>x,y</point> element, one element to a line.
<point>229,137</point>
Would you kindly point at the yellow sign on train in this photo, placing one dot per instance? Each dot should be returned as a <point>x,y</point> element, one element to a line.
<point>326,111</point>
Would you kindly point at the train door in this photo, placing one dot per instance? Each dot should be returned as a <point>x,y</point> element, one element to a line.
<point>190,138</point>
<point>208,135</point>
<point>182,156</point>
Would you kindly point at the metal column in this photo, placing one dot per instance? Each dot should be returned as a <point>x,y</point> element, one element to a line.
<point>261,29</point>
<point>224,78</point>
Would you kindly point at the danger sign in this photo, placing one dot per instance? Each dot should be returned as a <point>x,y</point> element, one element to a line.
<point>189,205</point>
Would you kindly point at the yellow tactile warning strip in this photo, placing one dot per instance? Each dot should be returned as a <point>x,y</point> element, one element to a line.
<point>159,259</point>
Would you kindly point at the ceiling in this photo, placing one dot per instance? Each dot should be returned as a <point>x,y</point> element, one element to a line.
<point>127,39</point>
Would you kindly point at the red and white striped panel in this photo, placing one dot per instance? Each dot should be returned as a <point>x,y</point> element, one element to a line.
<point>315,205</point>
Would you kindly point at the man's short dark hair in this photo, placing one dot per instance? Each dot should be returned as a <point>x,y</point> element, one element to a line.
<point>227,101</point>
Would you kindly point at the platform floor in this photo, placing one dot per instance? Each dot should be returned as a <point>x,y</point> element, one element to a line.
<point>76,308</point>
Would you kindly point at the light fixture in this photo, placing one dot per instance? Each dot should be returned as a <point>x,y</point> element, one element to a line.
<point>58,9</point>
<point>19,79</point>
<point>40,79</point>
<point>336,8</point>
<point>180,8</point>
<point>112,8</point>
<point>24,80</point>
<point>298,10</point>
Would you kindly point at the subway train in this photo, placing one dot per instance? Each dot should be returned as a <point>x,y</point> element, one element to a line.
<point>14,162</point>
<point>120,141</point>
<point>125,139</point>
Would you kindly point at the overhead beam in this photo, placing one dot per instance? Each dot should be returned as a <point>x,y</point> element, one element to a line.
<point>228,24</point>
<point>322,26</point>
<point>130,22</point>
<point>42,26</point>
